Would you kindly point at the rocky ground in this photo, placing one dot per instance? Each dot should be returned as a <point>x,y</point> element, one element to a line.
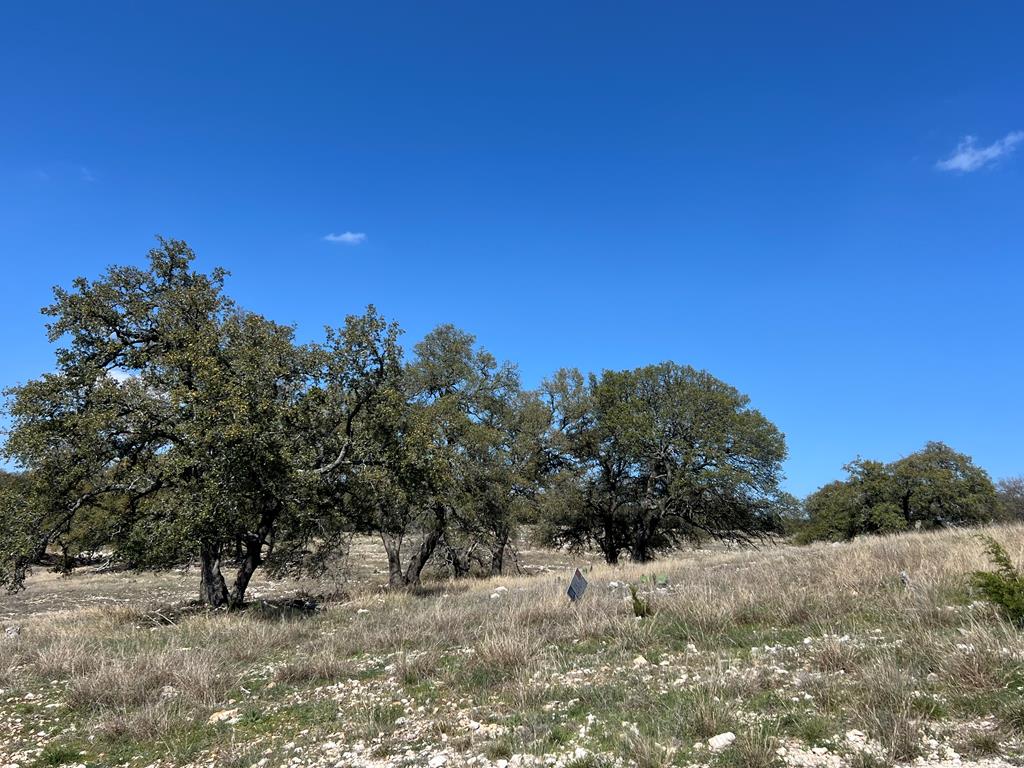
<point>818,656</point>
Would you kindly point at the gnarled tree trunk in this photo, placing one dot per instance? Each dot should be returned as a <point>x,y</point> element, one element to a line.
<point>253,554</point>
<point>393,546</point>
<point>418,561</point>
<point>498,553</point>
<point>250,562</point>
<point>213,590</point>
<point>460,559</point>
<point>410,577</point>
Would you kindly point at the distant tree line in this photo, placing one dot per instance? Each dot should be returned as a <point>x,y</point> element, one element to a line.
<point>179,428</point>
<point>935,487</point>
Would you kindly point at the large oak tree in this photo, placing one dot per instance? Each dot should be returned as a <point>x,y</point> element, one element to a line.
<point>217,436</point>
<point>651,457</point>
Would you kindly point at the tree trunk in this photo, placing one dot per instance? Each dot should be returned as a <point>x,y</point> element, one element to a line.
<point>393,546</point>
<point>213,590</point>
<point>459,559</point>
<point>419,560</point>
<point>640,549</point>
<point>250,562</point>
<point>250,548</point>
<point>641,555</point>
<point>498,554</point>
<point>609,550</point>
<point>905,508</point>
<point>66,561</point>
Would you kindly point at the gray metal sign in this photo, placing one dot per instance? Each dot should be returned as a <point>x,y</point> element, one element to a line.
<point>577,586</point>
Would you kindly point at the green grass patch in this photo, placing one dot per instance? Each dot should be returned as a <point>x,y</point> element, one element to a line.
<point>811,728</point>
<point>60,753</point>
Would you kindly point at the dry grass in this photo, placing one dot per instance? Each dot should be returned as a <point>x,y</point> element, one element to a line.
<point>754,748</point>
<point>889,708</point>
<point>706,712</point>
<point>646,750</point>
<point>322,666</point>
<point>856,649</point>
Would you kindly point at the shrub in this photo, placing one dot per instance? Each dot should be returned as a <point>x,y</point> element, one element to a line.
<point>1003,587</point>
<point>641,606</point>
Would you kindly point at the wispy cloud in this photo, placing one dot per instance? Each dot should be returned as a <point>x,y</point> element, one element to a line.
<point>86,174</point>
<point>348,238</point>
<point>968,156</point>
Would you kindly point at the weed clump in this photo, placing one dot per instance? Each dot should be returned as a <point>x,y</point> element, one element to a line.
<point>1003,587</point>
<point>753,749</point>
<point>641,606</point>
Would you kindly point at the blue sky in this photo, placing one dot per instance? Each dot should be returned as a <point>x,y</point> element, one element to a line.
<point>785,195</point>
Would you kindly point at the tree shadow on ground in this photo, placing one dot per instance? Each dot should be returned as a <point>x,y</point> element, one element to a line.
<point>300,606</point>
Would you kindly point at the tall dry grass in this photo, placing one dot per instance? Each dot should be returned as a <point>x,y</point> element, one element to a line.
<point>135,679</point>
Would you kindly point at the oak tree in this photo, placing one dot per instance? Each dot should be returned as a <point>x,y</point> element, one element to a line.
<point>656,456</point>
<point>204,429</point>
<point>935,487</point>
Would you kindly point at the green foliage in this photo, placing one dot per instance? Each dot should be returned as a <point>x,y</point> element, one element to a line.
<point>932,488</point>
<point>655,581</point>
<point>641,606</point>
<point>1010,493</point>
<point>812,729</point>
<point>457,466</point>
<point>17,546</point>
<point>1003,587</point>
<point>648,458</point>
<point>178,425</point>
<point>56,754</point>
<point>589,761</point>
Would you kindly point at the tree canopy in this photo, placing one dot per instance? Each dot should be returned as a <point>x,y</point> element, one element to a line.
<point>453,460</point>
<point>1010,492</point>
<point>932,488</point>
<point>179,428</point>
<point>656,456</point>
<point>205,428</point>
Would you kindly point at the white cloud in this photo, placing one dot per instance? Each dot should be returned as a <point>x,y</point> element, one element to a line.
<point>968,156</point>
<point>348,238</point>
<point>87,174</point>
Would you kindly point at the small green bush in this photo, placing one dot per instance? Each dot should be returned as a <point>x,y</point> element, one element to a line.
<point>641,607</point>
<point>55,754</point>
<point>1003,587</point>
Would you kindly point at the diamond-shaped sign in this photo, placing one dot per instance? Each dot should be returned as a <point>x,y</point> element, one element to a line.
<point>577,586</point>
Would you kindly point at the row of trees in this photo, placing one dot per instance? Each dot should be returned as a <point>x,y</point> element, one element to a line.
<point>178,427</point>
<point>935,487</point>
